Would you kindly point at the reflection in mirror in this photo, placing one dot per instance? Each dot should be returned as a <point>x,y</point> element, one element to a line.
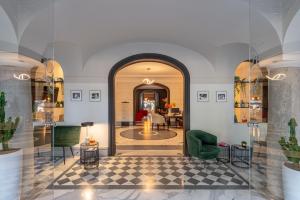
<point>48,91</point>
<point>250,93</point>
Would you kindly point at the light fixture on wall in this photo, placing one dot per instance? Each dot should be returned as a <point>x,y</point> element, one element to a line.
<point>148,81</point>
<point>277,77</point>
<point>22,77</point>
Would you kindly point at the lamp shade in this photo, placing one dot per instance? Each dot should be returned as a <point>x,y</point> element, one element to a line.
<point>85,124</point>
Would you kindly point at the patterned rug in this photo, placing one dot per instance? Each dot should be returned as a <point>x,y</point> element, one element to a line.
<point>151,173</point>
<point>138,134</point>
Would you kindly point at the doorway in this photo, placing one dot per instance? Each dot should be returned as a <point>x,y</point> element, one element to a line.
<point>129,122</point>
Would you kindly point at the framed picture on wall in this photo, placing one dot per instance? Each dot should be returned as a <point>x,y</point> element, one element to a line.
<point>221,96</point>
<point>95,95</point>
<point>76,95</point>
<point>202,96</point>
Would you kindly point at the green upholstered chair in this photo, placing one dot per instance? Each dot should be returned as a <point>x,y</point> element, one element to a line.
<point>202,145</point>
<point>66,136</point>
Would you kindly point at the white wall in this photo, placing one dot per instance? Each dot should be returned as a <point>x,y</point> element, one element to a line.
<point>97,112</point>
<point>214,117</point>
<point>217,117</point>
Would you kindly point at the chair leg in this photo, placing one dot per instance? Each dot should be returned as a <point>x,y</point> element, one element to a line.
<point>72,151</point>
<point>64,155</point>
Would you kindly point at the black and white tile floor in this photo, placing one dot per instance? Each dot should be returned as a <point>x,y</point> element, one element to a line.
<point>153,172</point>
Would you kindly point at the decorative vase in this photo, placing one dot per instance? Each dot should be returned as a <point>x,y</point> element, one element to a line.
<point>11,174</point>
<point>290,180</point>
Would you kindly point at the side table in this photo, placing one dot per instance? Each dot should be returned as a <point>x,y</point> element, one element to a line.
<point>224,155</point>
<point>89,155</point>
<point>241,156</point>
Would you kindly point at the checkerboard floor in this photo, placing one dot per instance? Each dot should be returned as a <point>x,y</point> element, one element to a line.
<point>151,172</point>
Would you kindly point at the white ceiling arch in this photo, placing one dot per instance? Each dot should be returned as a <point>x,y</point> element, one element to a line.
<point>94,25</point>
<point>8,39</point>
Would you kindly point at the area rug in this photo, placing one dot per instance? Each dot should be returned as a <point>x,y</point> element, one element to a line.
<point>138,134</point>
<point>151,173</point>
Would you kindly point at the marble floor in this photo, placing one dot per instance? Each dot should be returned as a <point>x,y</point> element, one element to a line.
<point>47,172</point>
<point>172,146</point>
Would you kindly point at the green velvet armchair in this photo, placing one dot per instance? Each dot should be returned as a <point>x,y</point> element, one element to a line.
<point>202,145</point>
<point>66,136</point>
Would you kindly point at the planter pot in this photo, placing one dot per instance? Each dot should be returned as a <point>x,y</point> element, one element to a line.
<point>11,174</point>
<point>291,180</point>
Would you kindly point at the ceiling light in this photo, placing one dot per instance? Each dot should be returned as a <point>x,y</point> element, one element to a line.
<point>148,81</point>
<point>277,77</point>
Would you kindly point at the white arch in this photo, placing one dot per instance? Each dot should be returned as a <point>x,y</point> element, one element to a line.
<point>102,61</point>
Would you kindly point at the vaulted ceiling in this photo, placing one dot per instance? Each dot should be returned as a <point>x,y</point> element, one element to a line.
<point>202,26</point>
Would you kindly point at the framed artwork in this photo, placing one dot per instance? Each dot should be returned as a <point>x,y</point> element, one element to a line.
<point>76,95</point>
<point>221,96</point>
<point>202,96</point>
<point>95,95</point>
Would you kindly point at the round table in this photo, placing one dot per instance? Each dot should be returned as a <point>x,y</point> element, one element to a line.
<point>89,155</point>
<point>224,155</point>
<point>241,156</point>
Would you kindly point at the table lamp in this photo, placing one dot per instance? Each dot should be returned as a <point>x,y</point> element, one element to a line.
<point>87,124</point>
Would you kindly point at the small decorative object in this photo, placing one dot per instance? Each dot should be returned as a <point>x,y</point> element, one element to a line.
<point>202,96</point>
<point>236,104</point>
<point>242,103</point>
<point>7,128</point>
<point>169,106</point>
<point>235,119</point>
<point>244,119</point>
<point>95,95</point>
<point>244,144</point>
<point>76,95</point>
<point>237,78</point>
<point>221,96</point>
<point>92,141</point>
<point>291,168</point>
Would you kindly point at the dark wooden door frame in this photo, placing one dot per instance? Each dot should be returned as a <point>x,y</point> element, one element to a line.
<point>144,57</point>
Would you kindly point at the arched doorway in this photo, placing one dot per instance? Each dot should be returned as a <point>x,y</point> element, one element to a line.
<point>142,58</point>
<point>157,90</point>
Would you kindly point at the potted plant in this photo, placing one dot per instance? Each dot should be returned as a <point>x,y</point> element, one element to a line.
<point>291,168</point>
<point>244,144</point>
<point>11,159</point>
